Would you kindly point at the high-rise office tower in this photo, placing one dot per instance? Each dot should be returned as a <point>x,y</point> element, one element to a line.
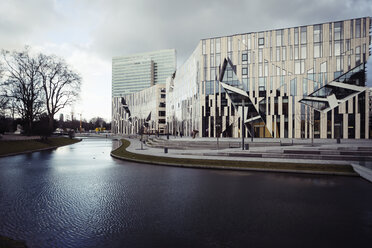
<point>136,72</point>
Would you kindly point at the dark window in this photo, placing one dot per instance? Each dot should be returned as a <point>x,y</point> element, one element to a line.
<point>351,126</point>
<point>261,41</point>
<point>161,113</point>
<point>329,124</point>
<point>162,95</point>
<point>244,57</point>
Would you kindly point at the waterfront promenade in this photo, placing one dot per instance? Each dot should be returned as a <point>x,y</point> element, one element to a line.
<point>296,151</point>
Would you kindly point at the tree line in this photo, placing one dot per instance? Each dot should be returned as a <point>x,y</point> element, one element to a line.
<point>92,124</point>
<point>34,87</point>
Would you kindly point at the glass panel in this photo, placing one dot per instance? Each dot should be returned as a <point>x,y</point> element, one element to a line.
<point>294,87</point>
<point>318,33</point>
<point>304,87</point>
<point>230,77</point>
<point>266,69</point>
<point>296,52</point>
<point>338,48</point>
<point>261,41</point>
<point>303,52</point>
<point>303,35</point>
<point>279,37</point>
<point>297,67</point>
<point>302,66</point>
<point>357,28</point>
<point>260,70</point>
<point>338,31</point>
<point>260,55</point>
<point>218,59</point>
<point>244,57</point>
<point>278,54</point>
<point>229,44</point>
<point>212,60</point>
<point>296,36</point>
<point>317,50</point>
<point>218,45</point>
<point>323,67</point>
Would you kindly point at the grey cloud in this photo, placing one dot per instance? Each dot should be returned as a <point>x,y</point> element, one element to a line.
<point>139,26</point>
<point>120,27</point>
<point>22,21</point>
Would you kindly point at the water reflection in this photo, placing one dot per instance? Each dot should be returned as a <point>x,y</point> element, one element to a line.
<point>78,196</point>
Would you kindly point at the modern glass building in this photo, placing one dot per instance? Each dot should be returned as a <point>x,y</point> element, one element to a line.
<point>139,71</point>
<point>298,82</point>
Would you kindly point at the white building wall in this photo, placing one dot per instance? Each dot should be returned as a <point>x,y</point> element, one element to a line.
<point>182,102</point>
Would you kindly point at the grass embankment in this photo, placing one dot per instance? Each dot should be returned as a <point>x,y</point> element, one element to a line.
<point>11,243</point>
<point>321,168</point>
<point>9,147</point>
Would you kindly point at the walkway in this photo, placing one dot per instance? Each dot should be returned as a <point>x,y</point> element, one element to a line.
<point>353,152</point>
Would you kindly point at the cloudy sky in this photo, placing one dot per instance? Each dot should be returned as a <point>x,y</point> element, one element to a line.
<point>88,33</point>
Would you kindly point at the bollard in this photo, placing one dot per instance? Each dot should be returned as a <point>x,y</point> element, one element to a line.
<point>246,146</point>
<point>165,149</point>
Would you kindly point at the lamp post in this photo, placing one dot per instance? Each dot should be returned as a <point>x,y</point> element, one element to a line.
<point>243,129</point>
<point>252,131</point>
<point>168,130</point>
<point>218,126</point>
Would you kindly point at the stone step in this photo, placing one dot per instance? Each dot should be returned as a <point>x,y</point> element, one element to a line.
<point>329,152</point>
<point>303,156</point>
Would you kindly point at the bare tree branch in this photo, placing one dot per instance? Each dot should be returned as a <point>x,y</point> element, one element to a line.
<point>61,85</point>
<point>23,84</point>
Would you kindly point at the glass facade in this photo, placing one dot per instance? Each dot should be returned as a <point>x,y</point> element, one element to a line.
<point>275,70</point>
<point>298,82</point>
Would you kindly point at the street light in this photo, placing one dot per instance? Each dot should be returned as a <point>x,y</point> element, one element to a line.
<point>168,130</point>
<point>243,127</point>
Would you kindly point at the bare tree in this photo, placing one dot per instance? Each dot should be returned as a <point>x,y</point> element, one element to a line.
<point>61,85</point>
<point>23,84</point>
<point>3,99</point>
<point>97,122</point>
